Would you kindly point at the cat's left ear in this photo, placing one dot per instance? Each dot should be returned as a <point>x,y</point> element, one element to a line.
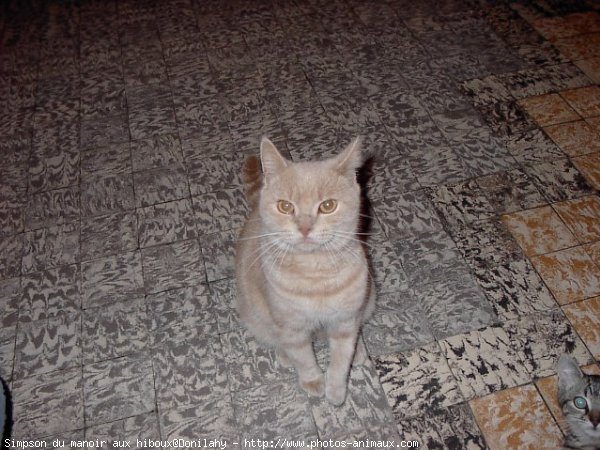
<point>569,372</point>
<point>350,159</point>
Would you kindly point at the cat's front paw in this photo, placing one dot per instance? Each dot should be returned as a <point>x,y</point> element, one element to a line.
<point>314,387</point>
<point>335,392</point>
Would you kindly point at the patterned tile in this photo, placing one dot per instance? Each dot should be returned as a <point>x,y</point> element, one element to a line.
<point>50,208</point>
<point>115,330</point>
<point>417,381</point>
<point>108,235</point>
<point>118,388</point>
<point>220,211</point>
<point>10,300</point>
<point>585,317</point>
<point>158,151</point>
<point>586,101</point>
<point>462,203</point>
<point>558,180</point>
<point>218,250</point>
<point>49,293</point>
<point>48,404</point>
<point>105,161</point>
<point>583,46</point>
<point>213,418</point>
<point>172,266</point>
<point>510,191</point>
<point>51,247</point>
<point>284,404</point>
<point>548,109</point>
<point>570,274</point>
<point>103,131</point>
<point>53,168</point>
<point>107,194</point>
<point>541,338</point>
<point>12,212</point>
<point>516,418</point>
<point>582,216</point>
<point>11,253</point>
<point>132,429</point>
<point>589,166</point>
<point>7,351</point>
<point>160,185</point>
<point>166,223</point>
<point>111,279</point>
<point>484,362</point>
<point>575,138</point>
<point>539,231</point>
<point>591,67</point>
<point>150,111</point>
<point>47,345</point>
<point>214,173</point>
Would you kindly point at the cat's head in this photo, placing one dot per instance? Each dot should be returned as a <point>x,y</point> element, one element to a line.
<point>310,206</point>
<point>579,397</point>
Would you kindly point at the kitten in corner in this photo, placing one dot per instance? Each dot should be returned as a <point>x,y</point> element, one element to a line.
<point>579,398</point>
<point>300,266</point>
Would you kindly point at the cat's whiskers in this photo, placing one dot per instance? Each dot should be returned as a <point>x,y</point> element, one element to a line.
<point>350,237</point>
<point>265,250</point>
<point>276,233</point>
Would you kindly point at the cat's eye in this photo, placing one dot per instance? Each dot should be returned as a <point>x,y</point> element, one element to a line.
<point>285,207</point>
<point>328,206</point>
<point>580,402</point>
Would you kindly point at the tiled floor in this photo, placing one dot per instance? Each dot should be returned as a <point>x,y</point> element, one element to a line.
<point>123,128</point>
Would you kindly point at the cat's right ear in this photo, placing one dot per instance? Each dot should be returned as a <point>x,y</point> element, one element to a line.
<point>271,160</point>
<point>569,372</point>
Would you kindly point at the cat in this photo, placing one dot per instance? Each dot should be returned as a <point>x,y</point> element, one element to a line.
<point>579,398</point>
<point>300,267</point>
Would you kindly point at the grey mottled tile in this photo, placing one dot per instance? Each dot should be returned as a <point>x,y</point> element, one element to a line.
<point>50,208</point>
<point>141,427</point>
<point>532,147</point>
<point>115,330</point>
<point>103,131</point>
<point>11,253</point>
<point>108,235</point>
<point>172,266</point>
<point>510,191</point>
<point>166,222</point>
<point>558,180</point>
<point>12,210</point>
<point>386,263</point>
<point>51,247</point>
<point>220,210</point>
<point>158,151</point>
<point>7,351</point>
<point>484,362</point>
<point>150,111</point>
<point>10,300</point>
<point>118,388</point>
<point>160,185</point>
<point>50,293</point>
<point>107,194</point>
<point>48,404</point>
<point>277,410</point>
<point>53,168</point>
<point>417,381</point>
<point>110,279</point>
<point>109,160</point>
<point>434,266</point>
<point>224,295</point>
<point>47,345</point>
<point>218,251</point>
<point>462,203</point>
<point>214,173</point>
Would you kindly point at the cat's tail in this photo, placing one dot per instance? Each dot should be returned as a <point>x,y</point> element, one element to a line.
<point>252,179</point>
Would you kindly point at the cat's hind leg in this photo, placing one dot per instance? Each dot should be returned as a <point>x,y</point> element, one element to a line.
<point>299,353</point>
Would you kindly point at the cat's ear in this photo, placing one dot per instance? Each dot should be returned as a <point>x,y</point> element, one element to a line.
<point>350,159</point>
<point>569,372</point>
<point>270,158</point>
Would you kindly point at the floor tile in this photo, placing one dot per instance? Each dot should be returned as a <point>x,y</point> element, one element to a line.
<point>118,388</point>
<point>575,138</point>
<point>283,412</point>
<point>111,279</point>
<point>532,146</point>
<point>591,67</point>
<point>141,427</point>
<point>510,191</point>
<point>483,362</point>
<point>115,330</point>
<point>160,185</point>
<point>158,151</point>
<point>586,101</point>
<point>539,231</point>
<point>116,233</point>
<point>582,216</point>
<point>570,274</point>
<point>7,351</point>
<point>417,381</point>
<point>50,293</point>
<point>462,203</point>
<point>101,132</point>
<point>172,266</point>
<point>516,418</point>
<point>107,194</point>
<point>218,251</point>
<point>12,212</point>
<point>585,317</point>
<point>214,173</point>
<point>50,208</point>
<point>10,300</point>
<point>220,210</point>
<point>53,168</point>
<point>579,47</point>
<point>47,345</point>
<point>150,111</point>
<point>589,166</point>
<point>558,180</point>
<point>11,253</point>
<point>51,247</point>
<point>165,223</point>
<point>48,404</point>
<point>549,109</point>
<point>97,162</point>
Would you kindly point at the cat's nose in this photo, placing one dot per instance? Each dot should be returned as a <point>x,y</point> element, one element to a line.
<point>595,417</point>
<point>304,229</point>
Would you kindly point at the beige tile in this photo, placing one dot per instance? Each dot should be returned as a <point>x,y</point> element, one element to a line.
<point>582,216</point>
<point>539,231</point>
<point>591,67</point>
<point>585,317</point>
<point>570,274</point>
<point>516,418</point>
<point>589,166</point>
<point>585,101</point>
<point>548,109</point>
<point>575,138</point>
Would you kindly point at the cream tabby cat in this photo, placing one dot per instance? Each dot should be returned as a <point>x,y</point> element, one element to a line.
<point>300,267</point>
